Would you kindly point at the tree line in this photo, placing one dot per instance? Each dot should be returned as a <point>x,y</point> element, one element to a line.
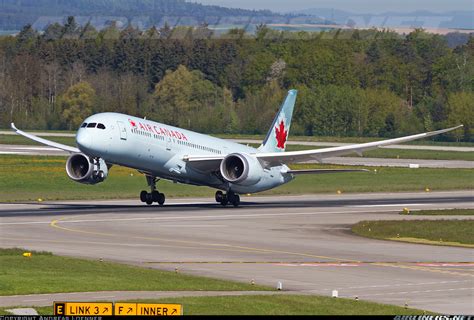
<point>350,82</point>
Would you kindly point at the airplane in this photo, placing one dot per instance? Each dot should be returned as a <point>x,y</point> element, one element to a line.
<point>160,151</point>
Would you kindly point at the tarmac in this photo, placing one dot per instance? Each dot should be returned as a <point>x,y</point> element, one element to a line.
<point>304,242</point>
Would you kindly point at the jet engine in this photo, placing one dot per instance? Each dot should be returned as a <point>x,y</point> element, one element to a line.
<point>240,168</point>
<point>83,169</point>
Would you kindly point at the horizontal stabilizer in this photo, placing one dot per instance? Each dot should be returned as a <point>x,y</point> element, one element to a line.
<point>323,171</point>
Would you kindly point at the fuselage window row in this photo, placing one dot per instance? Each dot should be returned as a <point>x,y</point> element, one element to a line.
<point>188,144</point>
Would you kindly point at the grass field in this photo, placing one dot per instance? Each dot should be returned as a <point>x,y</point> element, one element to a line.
<point>449,212</point>
<point>47,273</point>
<point>437,232</point>
<point>273,305</point>
<point>32,177</point>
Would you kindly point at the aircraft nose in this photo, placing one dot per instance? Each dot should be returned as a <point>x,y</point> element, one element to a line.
<point>84,140</point>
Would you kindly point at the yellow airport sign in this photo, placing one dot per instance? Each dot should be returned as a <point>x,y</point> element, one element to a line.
<point>125,309</point>
<point>83,308</point>
<point>159,309</point>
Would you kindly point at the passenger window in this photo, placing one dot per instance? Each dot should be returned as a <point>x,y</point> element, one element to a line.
<point>100,126</point>
<point>84,125</point>
<point>91,125</point>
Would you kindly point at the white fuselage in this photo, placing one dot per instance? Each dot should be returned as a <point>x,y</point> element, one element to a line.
<point>159,150</point>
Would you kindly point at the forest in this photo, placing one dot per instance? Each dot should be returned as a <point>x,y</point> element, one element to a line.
<point>350,82</point>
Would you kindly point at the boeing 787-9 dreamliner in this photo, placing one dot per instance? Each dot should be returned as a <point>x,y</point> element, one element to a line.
<point>160,151</point>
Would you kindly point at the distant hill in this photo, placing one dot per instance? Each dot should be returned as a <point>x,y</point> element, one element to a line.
<point>426,19</point>
<point>14,14</point>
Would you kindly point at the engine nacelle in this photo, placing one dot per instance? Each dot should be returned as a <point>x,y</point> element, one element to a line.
<point>240,168</point>
<point>83,169</point>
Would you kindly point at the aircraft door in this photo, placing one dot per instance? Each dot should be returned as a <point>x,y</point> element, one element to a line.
<point>123,130</point>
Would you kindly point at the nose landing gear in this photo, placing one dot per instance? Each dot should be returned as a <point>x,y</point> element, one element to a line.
<point>225,199</point>
<point>154,195</point>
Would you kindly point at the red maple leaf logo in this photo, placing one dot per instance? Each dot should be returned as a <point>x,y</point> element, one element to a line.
<point>132,123</point>
<point>281,135</point>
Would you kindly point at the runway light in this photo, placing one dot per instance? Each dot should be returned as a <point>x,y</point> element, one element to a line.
<point>357,298</point>
<point>252,282</point>
<point>338,191</point>
<point>406,210</point>
<point>101,260</point>
<point>176,270</point>
<point>279,286</point>
<point>27,254</point>
<point>40,200</point>
<point>335,294</point>
<point>406,305</point>
<point>427,189</point>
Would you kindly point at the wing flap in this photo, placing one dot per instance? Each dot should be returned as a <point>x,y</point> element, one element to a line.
<point>204,163</point>
<point>45,141</point>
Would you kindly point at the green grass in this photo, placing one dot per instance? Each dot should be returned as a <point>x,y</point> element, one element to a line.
<point>31,177</point>
<point>273,305</point>
<point>448,212</point>
<point>438,232</point>
<point>47,273</point>
<point>17,139</point>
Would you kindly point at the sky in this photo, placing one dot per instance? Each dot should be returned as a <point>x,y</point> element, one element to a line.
<point>364,6</point>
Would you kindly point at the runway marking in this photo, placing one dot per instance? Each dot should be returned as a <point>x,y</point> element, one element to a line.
<point>222,217</point>
<point>410,292</point>
<point>128,245</point>
<point>216,216</point>
<point>390,205</point>
<point>319,264</point>
<point>396,285</point>
<point>54,224</point>
<point>446,264</point>
<point>423,269</point>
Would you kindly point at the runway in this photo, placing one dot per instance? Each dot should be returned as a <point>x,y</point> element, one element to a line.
<point>303,241</point>
<point>355,161</point>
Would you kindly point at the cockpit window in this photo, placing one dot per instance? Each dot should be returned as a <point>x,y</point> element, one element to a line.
<point>84,125</point>
<point>91,125</point>
<point>100,126</point>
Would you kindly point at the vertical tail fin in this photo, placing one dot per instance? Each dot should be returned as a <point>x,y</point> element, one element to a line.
<point>275,141</point>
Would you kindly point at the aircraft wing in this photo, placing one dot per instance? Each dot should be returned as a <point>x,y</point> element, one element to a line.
<point>277,158</point>
<point>44,141</point>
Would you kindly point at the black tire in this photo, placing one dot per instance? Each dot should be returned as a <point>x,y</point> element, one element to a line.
<point>225,200</point>
<point>231,197</point>
<point>155,195</point>
<point>149,199</point>
<point>219,196</point>
<point>143,196</point>
<point>236,201</point>
<point>161,199</point>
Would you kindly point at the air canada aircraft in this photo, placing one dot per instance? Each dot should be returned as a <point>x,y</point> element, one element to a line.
<point>160,151</point>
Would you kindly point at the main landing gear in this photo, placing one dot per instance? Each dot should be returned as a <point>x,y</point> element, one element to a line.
<point>225,199</point>
<point>154,195</point>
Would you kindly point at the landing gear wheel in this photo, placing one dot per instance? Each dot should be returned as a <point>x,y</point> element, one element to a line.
<point>219,196</point>
<point>236,200</point>
<point>225,200</point>
<point>155,195</point>
<point>161,199</point>
<point>149,199</point>
<point>143,196</point>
